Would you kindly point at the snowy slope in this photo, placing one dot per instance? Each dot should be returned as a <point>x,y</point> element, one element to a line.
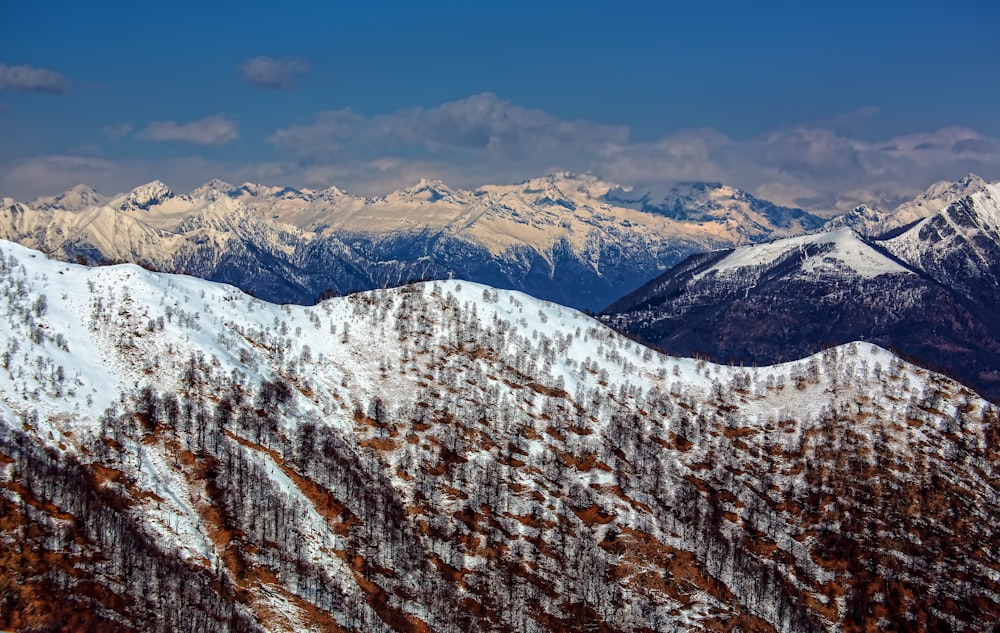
<point>960,245</point>
<point>448,456</point>
<point>831,253</point>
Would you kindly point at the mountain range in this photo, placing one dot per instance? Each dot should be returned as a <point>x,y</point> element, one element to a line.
<point>446,456</point>
<point>572,239</point>
<point>930,291</point>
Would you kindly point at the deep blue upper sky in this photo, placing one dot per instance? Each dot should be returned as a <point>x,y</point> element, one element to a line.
<point>865,71</point>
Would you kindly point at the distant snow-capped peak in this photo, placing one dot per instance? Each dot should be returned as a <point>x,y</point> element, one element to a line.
<point>76,198</point>
<point>712,202</point>
<point>213,188</point>
<point>948,190</point>
<point>425,190</point>
<point>937,197</point>
<point>145,196</point>
<point>873,222</point>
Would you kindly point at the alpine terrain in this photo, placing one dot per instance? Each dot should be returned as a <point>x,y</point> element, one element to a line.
<point>874,222</point>
<point>931,292</point>
<point>571,239</point>
<point>445,456</point>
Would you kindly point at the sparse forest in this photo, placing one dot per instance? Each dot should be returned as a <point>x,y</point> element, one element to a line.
<point>448,457</point>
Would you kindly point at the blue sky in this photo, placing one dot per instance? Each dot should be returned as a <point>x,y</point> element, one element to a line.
<point>820,105</point>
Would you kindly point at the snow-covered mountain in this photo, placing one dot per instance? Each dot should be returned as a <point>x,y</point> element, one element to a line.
<point>959,247</point>
<point>568,238</point>
<point>714,202</point>
<point>176,455</point>
<point>783,300</point>
<point>76,198</point>
<point>873,222</point>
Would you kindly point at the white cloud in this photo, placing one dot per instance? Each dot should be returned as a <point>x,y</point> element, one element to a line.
<point>324,137</point>
<point>482,124</point>
<point>820,169</point>
<point>684,156</point>
<point>213,130</point>
<point>843,171</point>
<point>31,79</point>
<point>822,166</point>
<point>467,142</point>
<point>273,74</point>
<point>486,139</point>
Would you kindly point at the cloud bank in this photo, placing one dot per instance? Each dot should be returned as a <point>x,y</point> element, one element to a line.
<point>482,125</point>
<point>213,130</point>
<point>820,166</point>
<point>268,73</point>
<point>31,79</point>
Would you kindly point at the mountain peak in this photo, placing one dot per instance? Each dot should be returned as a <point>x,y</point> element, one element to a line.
<point>839,252</point>
<point>428,183</point>
<point>973,179</point>
<point>145,196</point>
<point>985,205</point>
<point>214,185</point>
<point>860,219</point>
<point>710,202</point>
<point>559,180</point>
<point>428,190</point>
<point>76,198</point>
<point>959,246</point>
<point>80,189</point>
<point>565,176</point>
<point>949,190</point>
<point>334,192</point>
<point>876,223</point>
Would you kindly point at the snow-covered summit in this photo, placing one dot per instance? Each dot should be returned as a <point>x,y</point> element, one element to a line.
<point>76,198</point>
<point>713,202</point>
<point>937,197</point>
<point>874,222</point>
<point>956,225</point>
<point>862,218</point>
<point>213,189</point>
<point>959,246</point>
<point>143,197</point>
<point>838,252</point>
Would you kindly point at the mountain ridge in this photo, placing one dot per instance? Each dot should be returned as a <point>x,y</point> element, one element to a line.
<point>932,293</point>
<point>876,223</point>
<point>452,457</point>
<point>554,236</point>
